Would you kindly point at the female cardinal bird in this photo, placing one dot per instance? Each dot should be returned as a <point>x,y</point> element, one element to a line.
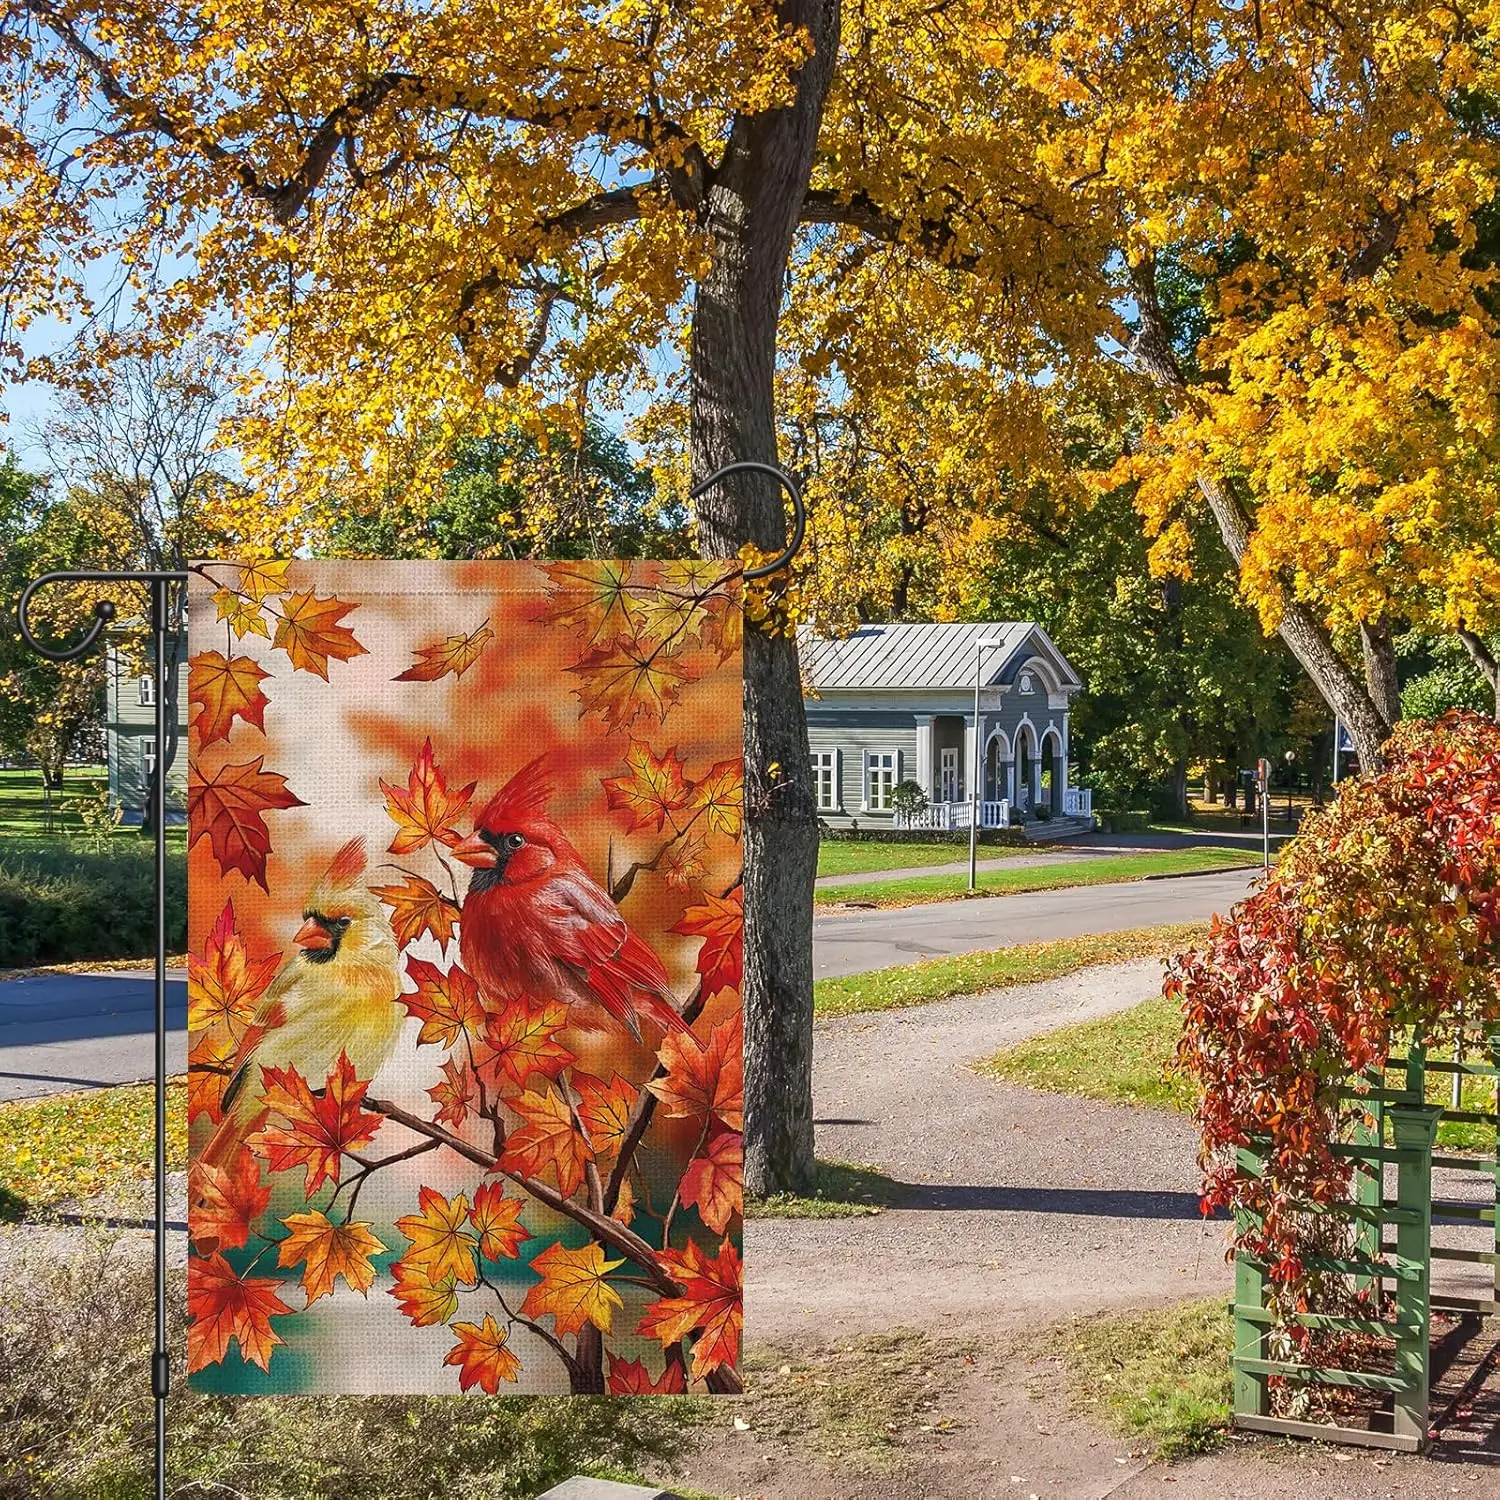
<point>338,994</point>
<point>535,922</point>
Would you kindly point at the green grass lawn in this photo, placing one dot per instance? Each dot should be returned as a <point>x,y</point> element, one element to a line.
<point>1126,1059</point>
<point>849,857</point>
<point>973,973</point>
<point>1106,869</point>
<point>1161,1376</point>
<point>23,803</point>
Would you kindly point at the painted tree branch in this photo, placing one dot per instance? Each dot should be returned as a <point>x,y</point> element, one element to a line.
<point>608,1231</point>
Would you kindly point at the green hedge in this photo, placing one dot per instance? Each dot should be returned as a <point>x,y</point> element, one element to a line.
<point>884,834</point>
<point>59,905</point>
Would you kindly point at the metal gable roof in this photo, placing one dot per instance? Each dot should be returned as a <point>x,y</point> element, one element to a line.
<point>914,656</point>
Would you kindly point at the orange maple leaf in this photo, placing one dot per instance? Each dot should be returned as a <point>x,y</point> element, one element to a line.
<point>309,632</point>
<point>704,1080</point>
<point>441,1245</point>
<point>317,1130</point>
<point>654,788</point>
<point>498,1220</point>
<point>624,681</point>
<point>573,1288</point>
<point>522,1040</point>
<point>226,1201</point>
<point>210,1065</point>
<point>225,984</point>
<point>482,1356</point>
<point>225,689</point>
<point>421,1299</point>
<point>224,1306</point>
<point>329,1250</point>
<point>720,922</point>
<point>228,806</point>
<point>594,599</point>
<point>447,1003</point>
<point>714,1182</point>
<point>721,796</point>
<point>455,1093</point>
<point>454,653</point>
<point>625,1204</point>
<point>629,1377</point>
<point>418,906</point>
<point>546,1139</point>
<point>427,809</point>
<point>604,1109</point>
<point>710,1304</point>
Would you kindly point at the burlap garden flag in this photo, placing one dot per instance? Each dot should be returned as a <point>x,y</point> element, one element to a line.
<point>464,977</point>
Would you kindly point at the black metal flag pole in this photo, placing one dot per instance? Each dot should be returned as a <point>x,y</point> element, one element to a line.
<point>161,585</point>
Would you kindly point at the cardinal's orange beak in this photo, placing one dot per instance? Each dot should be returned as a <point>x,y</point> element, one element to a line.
<point>474,851</point>
<point>312,934</point>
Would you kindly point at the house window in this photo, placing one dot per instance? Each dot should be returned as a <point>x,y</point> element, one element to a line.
<point>148,760</point>
<point>145,686</point>
<point>880,779</point>
<point>825,772</point>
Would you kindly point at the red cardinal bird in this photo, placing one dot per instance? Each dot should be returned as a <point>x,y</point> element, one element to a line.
<point>536,922</point>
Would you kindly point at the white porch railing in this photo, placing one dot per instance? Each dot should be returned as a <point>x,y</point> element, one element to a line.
<point>1078,801</point>
<point>950,815</point>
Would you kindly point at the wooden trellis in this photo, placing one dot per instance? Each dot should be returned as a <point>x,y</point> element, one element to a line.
<point>1391,1258</point>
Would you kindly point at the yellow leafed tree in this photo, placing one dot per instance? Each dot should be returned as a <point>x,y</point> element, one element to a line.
<point>932,219</point>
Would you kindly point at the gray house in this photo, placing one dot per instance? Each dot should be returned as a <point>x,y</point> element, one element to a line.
<point>130,747</point>
<point>892,703</point>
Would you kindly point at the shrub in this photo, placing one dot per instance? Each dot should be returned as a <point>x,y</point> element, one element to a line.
<point>1382,914</point>
<point>75,1424</point>
<point>908,800</point>
<point>59,905</point>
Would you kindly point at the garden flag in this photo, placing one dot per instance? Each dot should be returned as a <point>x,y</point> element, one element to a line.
<point>464,1086</point>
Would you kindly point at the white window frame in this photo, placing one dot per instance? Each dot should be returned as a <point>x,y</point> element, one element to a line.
<point>145,689</point>
<point>888,764</point>
<point>825,763</point>
<point>148,759</point>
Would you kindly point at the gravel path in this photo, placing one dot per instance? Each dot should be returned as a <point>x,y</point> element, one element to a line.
<point>1020,1210</point>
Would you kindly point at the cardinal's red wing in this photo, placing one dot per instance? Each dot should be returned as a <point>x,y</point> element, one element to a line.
<point>590,934</point>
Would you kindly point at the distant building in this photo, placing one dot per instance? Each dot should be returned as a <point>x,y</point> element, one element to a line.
<point>130,748</point>
<point>893,703</point>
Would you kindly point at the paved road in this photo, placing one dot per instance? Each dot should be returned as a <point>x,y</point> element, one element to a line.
<point>69,1031</point>
<point>856,943</point>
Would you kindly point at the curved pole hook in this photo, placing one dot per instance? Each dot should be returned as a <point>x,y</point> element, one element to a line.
<point>104,610</point>
<point>799,510</point>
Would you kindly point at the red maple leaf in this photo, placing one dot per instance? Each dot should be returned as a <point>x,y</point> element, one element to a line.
<point>446,1002</point>
<point>654,788</point>
<point>703,1079</point>
<point>228,805</point>
<point>710,1305</point>
<point>522,1040</point>
<point>317,1131</point>
<point>226,1201</point>
<point>225,689</point>
<point>546,1138</point>
<point>720,922</point>
<point>224,1306</point>
<point>714,1182</point>
<point>427,809</point>
<point>225,983</point>
<point>629,1377</point>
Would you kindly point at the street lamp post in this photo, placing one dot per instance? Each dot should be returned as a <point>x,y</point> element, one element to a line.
<point>1290,758</point>
<point>979,649</point>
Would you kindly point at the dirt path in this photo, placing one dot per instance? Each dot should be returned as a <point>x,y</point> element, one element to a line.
<point>1025,1209</point>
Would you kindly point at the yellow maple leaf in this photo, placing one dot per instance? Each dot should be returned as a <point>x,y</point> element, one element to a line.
<point>573,1289</point>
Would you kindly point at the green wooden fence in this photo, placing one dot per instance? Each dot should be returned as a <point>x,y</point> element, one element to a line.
<point>1390,1258</point>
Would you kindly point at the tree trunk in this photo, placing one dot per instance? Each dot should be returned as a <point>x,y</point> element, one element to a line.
<point>1303,632</point>
<point>1179,789</point>
<point>752,208</point>
<point>1379,648</point>
<point>1484,659</point>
